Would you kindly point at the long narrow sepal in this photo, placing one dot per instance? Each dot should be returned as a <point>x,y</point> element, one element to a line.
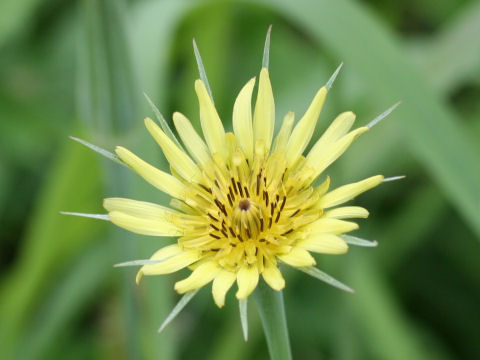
<point>201,69</point>
<point>178,308</point>
<point>139,262</point>
<point>272,314</point>
<point>383,115</point>
<point>163,123</point>
<point>92,216</point>
<point>330,81</point>
<point>394,178</point>
<point>266,49</point>
<point>353,240</point>
<point>109,155</point>
<point>320,275</point>
<point>242,306</point>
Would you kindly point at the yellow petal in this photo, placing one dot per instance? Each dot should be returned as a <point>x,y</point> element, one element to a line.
<point>347,212</point>
<point>221,284</point>
<point>211,124</point>
<point>161,180</point>
<point>298,257</point>
<point>321,157</point>
<point>180,161</point>
<point>303,131</point>
<point>247,280</point>
<point>242,119</point>
<point>192,141</point>
<point>273,277</point>
<point>264,114</point>
<point>328,225</point>
<point>348,192</point>
<point>324,244</point>
<point>144,226</point>
<point>283,135</point>
<point>174,258</point>
<point>136,208</point>
<point>201,276</point>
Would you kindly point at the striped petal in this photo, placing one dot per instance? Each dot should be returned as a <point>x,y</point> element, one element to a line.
<point>247,280</point>
<point>273,277</point>
<point>221,284</point>
<point>324,244</point>
<point>161,180</point>
<point>242,119</point>
<point>145,225</point>
<point>347,212</point>
<point>264,114</point>
<point>348,192</point>
<point>201,276</point>
<point>298,257</point>
<point>192,141</point>
<point>211,124</point>
<point>303,131</point>
<point>180,161</point>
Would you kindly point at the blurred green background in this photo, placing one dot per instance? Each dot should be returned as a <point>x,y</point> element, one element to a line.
<point>79,68</point>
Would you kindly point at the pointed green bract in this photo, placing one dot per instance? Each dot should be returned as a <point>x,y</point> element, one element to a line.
<point>92,216</point>
<point>178,308</point>
<point>320,275</point>
<point>109,155</point>
<point>383,115</point>
<point>201,69</point>
<point>266,50</point>
<point>330,81</point>
<point>353,240</point>
<point>163,123</point>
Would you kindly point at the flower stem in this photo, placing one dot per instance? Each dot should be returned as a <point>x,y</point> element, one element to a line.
<point>272,313</point>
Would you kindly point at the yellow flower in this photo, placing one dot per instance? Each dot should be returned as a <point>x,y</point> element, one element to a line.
<point>243,202</point>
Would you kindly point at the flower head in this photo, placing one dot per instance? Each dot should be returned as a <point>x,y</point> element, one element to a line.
<point>244,201</point>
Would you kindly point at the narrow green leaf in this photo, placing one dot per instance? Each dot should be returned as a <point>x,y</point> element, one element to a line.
<point>178,308</point>
<point>242,305</point>
<point>320,275</point>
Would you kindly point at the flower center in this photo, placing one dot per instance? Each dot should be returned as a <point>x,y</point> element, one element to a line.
<point>244,204</point>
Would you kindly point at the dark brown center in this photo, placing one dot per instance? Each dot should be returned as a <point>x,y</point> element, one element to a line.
<point>244,204</point>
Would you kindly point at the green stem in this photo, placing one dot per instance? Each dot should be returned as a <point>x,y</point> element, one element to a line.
<point>272,313</point>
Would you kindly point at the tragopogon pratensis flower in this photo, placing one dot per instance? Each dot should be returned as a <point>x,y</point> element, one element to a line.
<point>243,202</point>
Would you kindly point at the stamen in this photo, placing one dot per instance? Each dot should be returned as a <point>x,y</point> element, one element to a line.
<point>214,236</point>
<point>234,186</point>
<point>212,217</point>
<point>240,188</point>
<point>295,213</point>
